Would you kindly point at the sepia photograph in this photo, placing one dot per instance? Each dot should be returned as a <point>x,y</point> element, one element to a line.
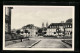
<point>49,28</point>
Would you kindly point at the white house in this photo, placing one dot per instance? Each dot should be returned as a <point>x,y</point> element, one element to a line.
<point>54,28</point>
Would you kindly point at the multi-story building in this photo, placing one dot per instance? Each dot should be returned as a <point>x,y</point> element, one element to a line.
<point>31,29</point>
<point>68,29</point>
<point>55,29</point>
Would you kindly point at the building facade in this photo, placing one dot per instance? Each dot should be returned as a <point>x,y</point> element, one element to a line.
<point>68,29</point>
<point>8,19</point>
<point>55,29</point>
<point>31,29</point>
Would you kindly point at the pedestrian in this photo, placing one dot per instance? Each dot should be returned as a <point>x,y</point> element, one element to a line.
<point>21,36</point>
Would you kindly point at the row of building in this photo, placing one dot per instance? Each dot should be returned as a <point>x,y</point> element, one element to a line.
<point>59,29</point>
<point>54,29</point>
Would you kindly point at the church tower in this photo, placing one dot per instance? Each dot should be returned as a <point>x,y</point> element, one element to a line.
<point>47,24</point>
<point>42,25</point>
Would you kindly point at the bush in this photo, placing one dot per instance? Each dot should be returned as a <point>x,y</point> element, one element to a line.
<point>13,36</point>
<point>21,37</point>
<point>8,37</point>
<point>18,31</point>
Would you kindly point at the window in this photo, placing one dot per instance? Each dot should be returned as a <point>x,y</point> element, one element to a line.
<point>6,27</point>
<point>68,25</point>
<point>57,26</point>
<point>52,26</point>
<point>65,26</point>
<point>54,32</point>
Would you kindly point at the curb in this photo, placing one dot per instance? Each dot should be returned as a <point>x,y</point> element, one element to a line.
<point>67,43</point>
<point>34,44</point>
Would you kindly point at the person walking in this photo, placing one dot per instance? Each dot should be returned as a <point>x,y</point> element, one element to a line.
<point>21,36</point>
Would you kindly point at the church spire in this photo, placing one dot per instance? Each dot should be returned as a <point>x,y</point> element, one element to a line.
<point>42,25</point>
<point>47,24</point>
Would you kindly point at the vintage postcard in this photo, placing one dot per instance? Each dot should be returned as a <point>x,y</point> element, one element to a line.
<point>44,28</point>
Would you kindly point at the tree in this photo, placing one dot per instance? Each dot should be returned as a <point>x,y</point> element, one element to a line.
<point>18,31</point>
<point>44,32</point>
<point>40,32</point>
<point>22,32</point>
<point>58,30</point>
<point>26,31</point>
<point>69,21</point>
<point>44,29</point>
<point>21,36</point>
<point>30,26</point>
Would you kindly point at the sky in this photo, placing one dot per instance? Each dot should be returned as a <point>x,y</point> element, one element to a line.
<point>23,15</point>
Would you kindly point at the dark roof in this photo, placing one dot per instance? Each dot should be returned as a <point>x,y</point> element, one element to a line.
<point>30,26</point>
<point>69,21</point>
<point>59,24</point>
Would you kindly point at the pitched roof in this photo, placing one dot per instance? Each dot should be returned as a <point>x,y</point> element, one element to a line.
<point>59,24</point>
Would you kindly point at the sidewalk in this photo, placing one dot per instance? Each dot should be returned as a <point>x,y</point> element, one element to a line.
<point>12,42</point>
<point>24,44</point>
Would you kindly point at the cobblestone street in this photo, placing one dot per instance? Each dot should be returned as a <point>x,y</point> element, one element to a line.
<point>44,43</point>
<point>51,43</point>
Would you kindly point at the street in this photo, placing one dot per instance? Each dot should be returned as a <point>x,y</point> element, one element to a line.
<point>51,43</point>
<point>44,43</point>
<point>23,44</point>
